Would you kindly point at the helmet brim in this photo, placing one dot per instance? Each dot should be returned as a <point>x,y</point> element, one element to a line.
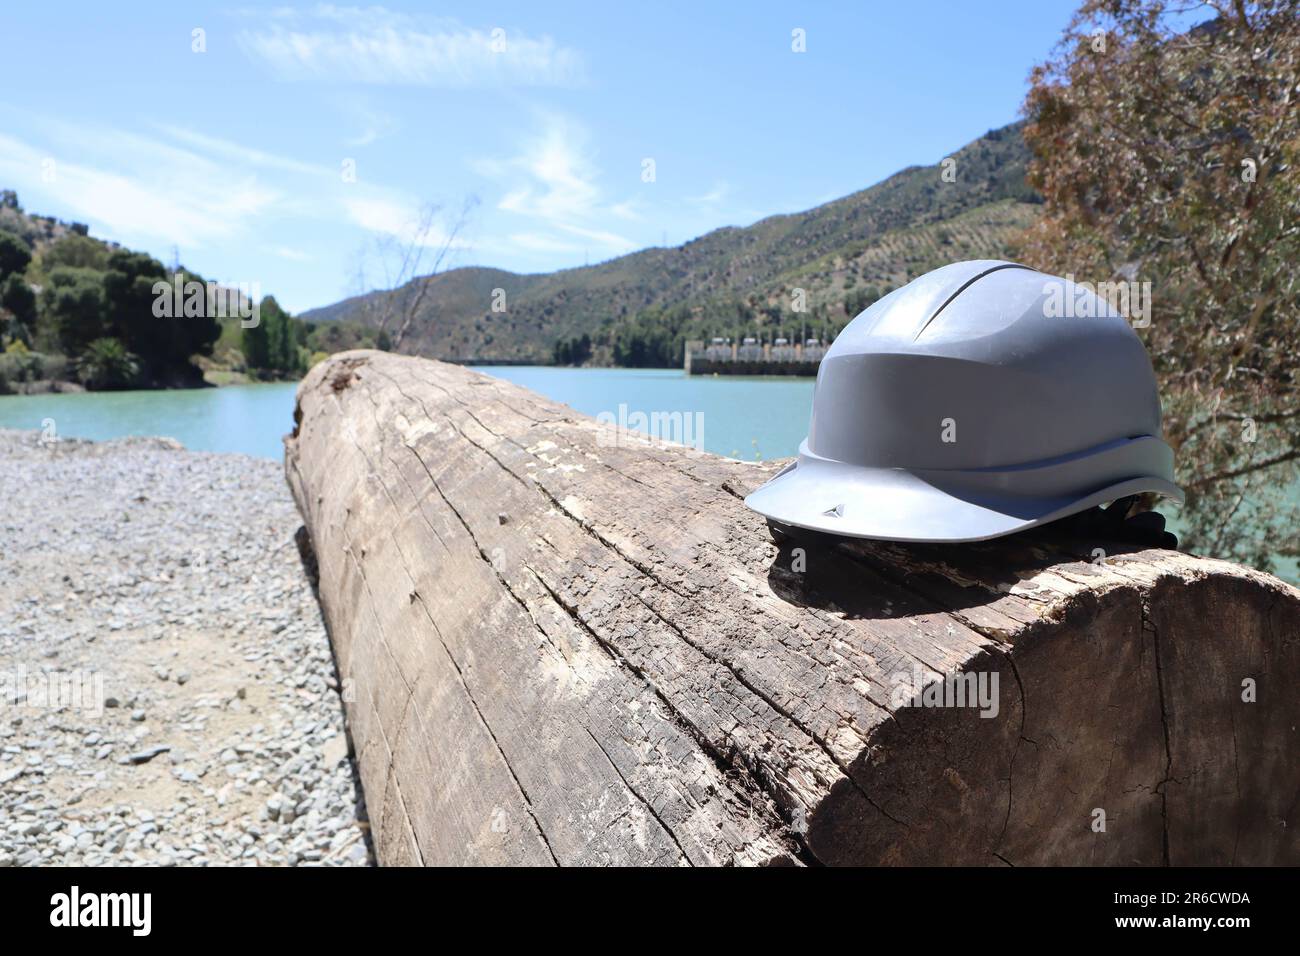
<point>893,504</point>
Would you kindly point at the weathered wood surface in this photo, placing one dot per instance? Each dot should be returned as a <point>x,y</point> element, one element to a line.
<point>561,650</point>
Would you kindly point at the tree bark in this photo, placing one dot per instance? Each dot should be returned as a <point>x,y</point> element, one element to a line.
<point>562,646</point>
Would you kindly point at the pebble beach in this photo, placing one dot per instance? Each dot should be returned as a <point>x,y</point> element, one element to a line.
<point>167,690</point>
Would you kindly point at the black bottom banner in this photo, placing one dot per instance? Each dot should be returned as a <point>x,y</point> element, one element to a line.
<point>222,906</point>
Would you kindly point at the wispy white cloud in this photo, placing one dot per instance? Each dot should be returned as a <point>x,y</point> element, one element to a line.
<point>379,46</point>
<point>373,124</point>
<point>190,189</point>
<point>553,179</point>
<point>558,176</point>
<point>542,242</point>
<point>600,236</point>
<point>713,197</point>
<point>166,193</point>
<point>629,209</point>
<point>401,221</point>
<point>238,152</point>
<point>293,255</point>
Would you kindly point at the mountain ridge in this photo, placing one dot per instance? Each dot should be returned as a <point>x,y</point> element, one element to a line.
<point>841,253</point>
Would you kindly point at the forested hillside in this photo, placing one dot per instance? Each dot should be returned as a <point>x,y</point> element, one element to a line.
<point>78,311</point>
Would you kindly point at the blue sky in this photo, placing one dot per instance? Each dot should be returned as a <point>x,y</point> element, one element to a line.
<point>235,157</point>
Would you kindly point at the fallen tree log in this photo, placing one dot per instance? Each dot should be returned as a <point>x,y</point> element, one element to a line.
<point>562,646</point>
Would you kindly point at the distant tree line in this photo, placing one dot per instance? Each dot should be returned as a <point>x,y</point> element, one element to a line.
<point>573,351</point>
<point>656,337</point>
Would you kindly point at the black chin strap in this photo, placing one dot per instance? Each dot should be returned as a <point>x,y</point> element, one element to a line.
<point>1145,527</point>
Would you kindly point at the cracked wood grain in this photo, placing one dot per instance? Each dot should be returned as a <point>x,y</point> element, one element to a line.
<point>567,649</point>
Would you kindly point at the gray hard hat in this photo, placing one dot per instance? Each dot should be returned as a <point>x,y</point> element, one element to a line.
<point>963,407</point>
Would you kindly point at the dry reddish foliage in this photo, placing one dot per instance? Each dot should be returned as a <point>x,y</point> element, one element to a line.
<point>1165,147</point>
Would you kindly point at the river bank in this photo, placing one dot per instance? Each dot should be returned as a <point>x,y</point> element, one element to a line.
<point>169,695</point>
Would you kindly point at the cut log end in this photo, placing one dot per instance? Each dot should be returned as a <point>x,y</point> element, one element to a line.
<point>562,646</point>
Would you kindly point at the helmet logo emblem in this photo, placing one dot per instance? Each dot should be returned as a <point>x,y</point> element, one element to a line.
<point>836,512</point>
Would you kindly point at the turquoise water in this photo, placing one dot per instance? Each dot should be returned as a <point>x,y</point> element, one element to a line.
<point>750,418</point>
<point>242,418</point>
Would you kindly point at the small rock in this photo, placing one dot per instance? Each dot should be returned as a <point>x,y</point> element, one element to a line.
<point>334,750</point>
<point>144,756</point>
<point>357,855</point>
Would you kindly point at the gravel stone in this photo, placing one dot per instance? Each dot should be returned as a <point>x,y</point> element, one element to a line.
<point>165,585</point>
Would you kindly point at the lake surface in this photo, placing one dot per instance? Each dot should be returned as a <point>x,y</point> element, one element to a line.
<point>250,419</point>
<point>758,417</point>
<point>744,417</point>
<point>750,417</point>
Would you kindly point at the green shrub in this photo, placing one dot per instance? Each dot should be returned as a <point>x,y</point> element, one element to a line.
<point>106,364</point>
<point>76,252</point>
<point>14,254</point>
<point>73,305</point>
<point>21,366</point>
<point>18,300</point>
<point>18,365</point>
<point>54,368</point>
